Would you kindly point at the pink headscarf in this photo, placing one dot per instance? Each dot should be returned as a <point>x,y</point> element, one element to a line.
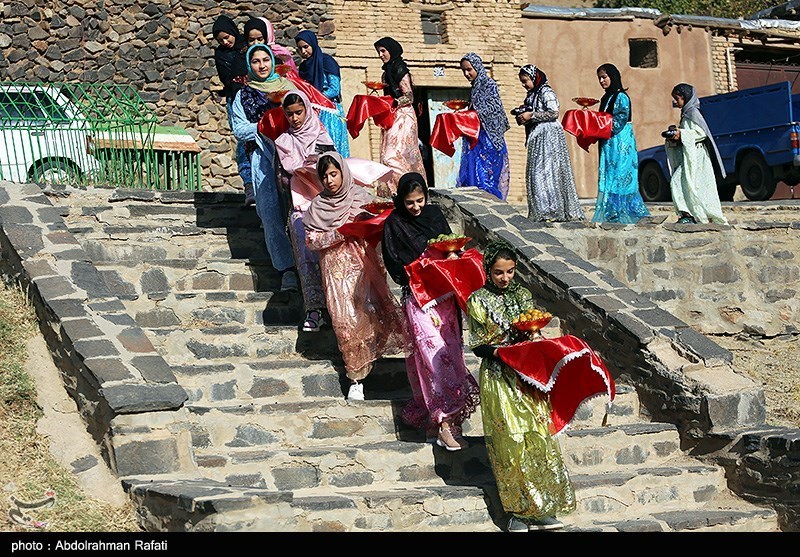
<point>328,211</point>
<point>281,52</point>
<point>294,146</point>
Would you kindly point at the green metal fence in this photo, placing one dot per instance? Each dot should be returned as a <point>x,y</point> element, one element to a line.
<point>91,135</point>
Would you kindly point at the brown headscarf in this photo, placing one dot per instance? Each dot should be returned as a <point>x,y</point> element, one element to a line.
<point>328,211</point>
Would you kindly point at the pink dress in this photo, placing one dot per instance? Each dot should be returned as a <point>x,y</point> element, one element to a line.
<point>400,143</point>
<point>364,313</point>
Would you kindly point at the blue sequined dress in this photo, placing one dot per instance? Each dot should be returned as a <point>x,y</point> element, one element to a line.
<point>335,123</point>
<point>618,197</point>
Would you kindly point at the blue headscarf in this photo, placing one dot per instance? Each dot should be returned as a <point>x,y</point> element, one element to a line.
<point>313,69</point>
<point>485,100</point>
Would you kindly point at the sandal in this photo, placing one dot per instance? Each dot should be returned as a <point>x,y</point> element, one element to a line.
<point>314,321</point>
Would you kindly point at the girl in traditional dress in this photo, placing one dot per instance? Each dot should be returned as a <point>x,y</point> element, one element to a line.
<point>321,70</point>
<point>443,390</point>
<point>364,314</point>
<point>229,58</point>
<point>298,149</point>
<point>618,197</point>
<point>486,165</point>
<point>259,30</point>
<point>400,143</point>
<point>693,155</point>
<point>548,173</point>
<point>251,102</point>
<point>532,479</point>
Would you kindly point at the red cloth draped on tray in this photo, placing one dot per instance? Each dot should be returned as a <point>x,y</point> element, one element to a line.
<point>314,95</point>
<point>449,126</point>
<point>370,229</point>
<point>363,107</point>
<point>587,126</point>
<point>273,123</point>
<point>566,368</point>
<point>430,279</point>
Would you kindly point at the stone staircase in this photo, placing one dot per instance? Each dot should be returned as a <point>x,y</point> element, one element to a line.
<point>275,445</point>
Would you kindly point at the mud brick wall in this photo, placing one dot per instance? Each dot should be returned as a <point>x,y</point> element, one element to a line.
<point>163,47</point>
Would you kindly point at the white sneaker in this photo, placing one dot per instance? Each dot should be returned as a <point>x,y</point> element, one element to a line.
<point>356,392</point>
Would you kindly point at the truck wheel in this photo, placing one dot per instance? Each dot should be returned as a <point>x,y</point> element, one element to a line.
<point>756,178</point>
<point>55,172</point>
<point>652,184</point>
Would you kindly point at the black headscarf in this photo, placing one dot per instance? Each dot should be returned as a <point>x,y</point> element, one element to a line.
<point>230,62</point>
<point>395,69</point>
<point>691,111</point>
<point>405,237</point>
<point>610,96</point>
<point>256,23</point>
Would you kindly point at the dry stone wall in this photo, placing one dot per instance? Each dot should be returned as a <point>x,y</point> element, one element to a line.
<point>163,47</point>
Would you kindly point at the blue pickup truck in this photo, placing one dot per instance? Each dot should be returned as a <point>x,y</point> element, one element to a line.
<point>756,131</point>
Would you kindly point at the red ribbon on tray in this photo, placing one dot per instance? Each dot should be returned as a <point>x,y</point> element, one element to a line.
<point>430,279</point>
<point>588,126</point>
<point>364,107</point>
<point>449,126</point>
<point>370,229</point>
<point>566,368</point>
<point>273,123</point>
<point>313,94</point>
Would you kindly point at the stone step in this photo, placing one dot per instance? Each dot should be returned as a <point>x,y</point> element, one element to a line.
<point>170,242</point>
<point>204,345</point>
<point>338,421</point>
<point>155,215</point>
<point>155,279</point>
<point>202,308</point>
<point>177,503</point>
<point>411,461</point>
<point>180,504</point>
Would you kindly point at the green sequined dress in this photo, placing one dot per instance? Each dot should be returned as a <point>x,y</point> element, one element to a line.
<point>526,460</point>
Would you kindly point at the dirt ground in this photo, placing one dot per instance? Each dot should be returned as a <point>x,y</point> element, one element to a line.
<point>775,364</point>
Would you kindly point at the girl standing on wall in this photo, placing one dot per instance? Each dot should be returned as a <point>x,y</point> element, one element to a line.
<point>532,479</point>
<point>618,197</point>
<point>693,155</point>
<point>486,165</point>
<point>251,102</point>
<point>364,313</point>
<point>400,143</point>
<point>444,392</point>
<point>321,70</point>
<point>548,173</point>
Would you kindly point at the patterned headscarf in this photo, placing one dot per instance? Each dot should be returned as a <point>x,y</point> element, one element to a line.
<point>485,100</point>
<point>490,253</point>
<point>539,80</point>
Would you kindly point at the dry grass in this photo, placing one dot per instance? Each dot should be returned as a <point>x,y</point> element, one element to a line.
<point>27,468</point>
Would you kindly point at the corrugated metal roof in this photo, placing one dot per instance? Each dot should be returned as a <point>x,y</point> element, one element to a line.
<point>767,26</point>
<point>778,12</point>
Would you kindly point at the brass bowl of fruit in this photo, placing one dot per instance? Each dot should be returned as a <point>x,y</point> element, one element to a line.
<point>532,320</point>
<point>449,242</point>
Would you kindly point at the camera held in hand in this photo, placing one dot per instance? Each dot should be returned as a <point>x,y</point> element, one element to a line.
<point>670,133</point>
